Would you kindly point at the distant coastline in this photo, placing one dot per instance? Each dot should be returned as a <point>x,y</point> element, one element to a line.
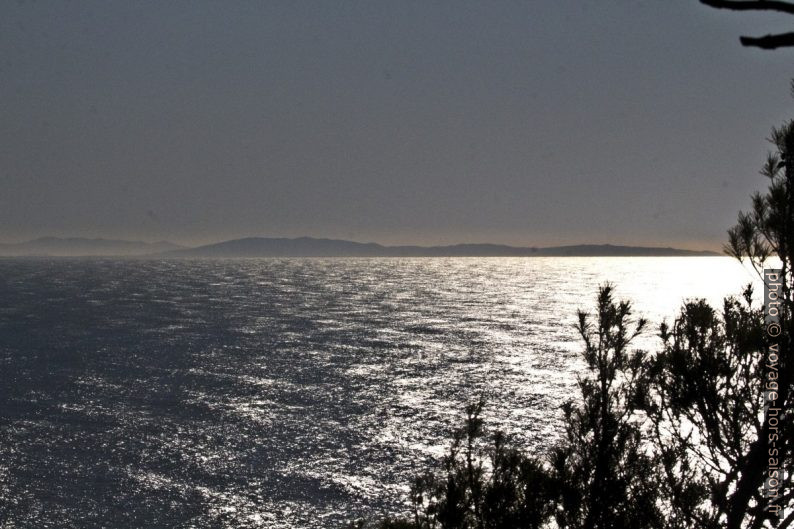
<point>316,247</point>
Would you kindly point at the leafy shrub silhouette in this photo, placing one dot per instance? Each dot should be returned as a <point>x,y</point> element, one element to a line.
<point>602,468</point>
<point>483,483</point>
<point>711,430</point>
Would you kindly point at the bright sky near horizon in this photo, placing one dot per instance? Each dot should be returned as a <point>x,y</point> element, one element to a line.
<point>526,123</point>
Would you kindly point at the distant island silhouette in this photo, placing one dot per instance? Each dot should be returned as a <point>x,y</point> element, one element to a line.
<point>313,247</point>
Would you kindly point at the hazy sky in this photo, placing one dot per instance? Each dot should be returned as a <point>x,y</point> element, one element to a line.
<point>536,122</point>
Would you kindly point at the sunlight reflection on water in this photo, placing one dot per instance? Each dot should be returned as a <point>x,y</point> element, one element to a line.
<point>285,392</point>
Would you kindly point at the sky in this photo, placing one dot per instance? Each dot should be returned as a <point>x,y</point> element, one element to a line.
<point>410,122</point>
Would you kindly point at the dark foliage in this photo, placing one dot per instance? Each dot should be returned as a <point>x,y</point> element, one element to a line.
<point>712,432</point>
<point>483,483</point>
<point>601,467</point>
<point>708,389</point>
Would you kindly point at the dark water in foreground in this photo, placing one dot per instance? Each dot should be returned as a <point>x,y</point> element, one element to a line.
<point>282,393</point>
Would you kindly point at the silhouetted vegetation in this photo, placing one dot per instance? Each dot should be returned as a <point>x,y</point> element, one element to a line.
<point>708,389</point>
<point>483,482</point>
<point>769,42</point>
<point>678,439</point>
<point>711,429</point>
<point>601,467</point>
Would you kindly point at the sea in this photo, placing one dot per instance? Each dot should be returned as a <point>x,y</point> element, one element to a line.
<point>288,393</point>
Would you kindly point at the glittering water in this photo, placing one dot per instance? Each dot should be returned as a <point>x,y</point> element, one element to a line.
<point>284,393</point>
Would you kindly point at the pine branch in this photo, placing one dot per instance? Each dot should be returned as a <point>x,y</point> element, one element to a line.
<point>769,42</point>
<point>751,5</point>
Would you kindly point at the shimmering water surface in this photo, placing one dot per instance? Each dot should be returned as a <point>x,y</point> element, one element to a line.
<point>284,392</point>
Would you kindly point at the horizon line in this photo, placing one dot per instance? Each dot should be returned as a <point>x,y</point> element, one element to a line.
<point>366,242</point>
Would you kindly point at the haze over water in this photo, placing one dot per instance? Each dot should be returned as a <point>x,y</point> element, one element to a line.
<point>285,392</point>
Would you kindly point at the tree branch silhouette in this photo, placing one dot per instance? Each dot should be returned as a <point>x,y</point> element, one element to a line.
<point>767,42</point>
<point>751,5</point>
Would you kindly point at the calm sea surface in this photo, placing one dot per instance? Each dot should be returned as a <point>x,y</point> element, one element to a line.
<point>284,392</point>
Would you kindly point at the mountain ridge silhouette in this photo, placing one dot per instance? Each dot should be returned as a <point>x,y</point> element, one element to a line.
<point>319,247</point>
